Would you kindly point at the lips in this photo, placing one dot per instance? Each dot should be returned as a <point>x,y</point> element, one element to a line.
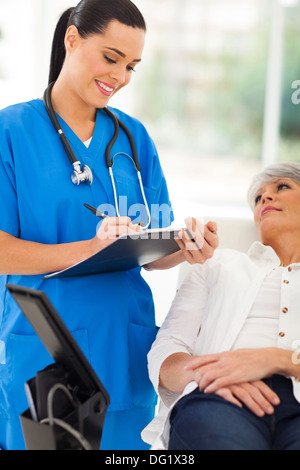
<point>269,209</point>
<point>105,88</point>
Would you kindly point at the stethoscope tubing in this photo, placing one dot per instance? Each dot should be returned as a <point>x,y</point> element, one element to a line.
<point>57,126</point>
<point>109,163</point>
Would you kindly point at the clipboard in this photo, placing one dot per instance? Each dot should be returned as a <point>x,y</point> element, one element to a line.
<point>127,252</point>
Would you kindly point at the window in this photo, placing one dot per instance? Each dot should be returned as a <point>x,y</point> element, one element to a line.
<point>214,89</point>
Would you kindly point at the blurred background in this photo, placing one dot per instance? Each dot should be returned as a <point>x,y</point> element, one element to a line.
<point>214,90</point>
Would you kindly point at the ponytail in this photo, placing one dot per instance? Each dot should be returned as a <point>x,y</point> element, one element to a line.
<point>58,51</point>
<point>91,17</point>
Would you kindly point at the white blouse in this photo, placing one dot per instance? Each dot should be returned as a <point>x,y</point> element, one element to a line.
<point>261,326</point>
<point>233,300</point>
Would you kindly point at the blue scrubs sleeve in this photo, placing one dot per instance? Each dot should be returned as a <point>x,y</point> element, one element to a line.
<point>9,220</point>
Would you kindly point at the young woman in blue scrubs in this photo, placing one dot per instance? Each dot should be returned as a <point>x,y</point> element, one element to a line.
<point>44,226</point>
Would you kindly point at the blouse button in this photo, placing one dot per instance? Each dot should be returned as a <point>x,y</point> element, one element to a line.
<point>290,268</point>
<point>285,310</point>
<point>281,334</point>
<point>286,281</point>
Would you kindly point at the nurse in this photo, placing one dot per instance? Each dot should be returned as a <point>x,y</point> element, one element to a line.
<point>44,226</point>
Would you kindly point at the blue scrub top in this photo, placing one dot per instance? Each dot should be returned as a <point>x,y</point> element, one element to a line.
<point>110,315</point>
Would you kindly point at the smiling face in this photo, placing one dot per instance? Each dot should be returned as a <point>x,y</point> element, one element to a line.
<point>98,66</point>
<point>277,209</point>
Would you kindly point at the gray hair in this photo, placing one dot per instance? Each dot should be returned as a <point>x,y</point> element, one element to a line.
<point>275,171</point>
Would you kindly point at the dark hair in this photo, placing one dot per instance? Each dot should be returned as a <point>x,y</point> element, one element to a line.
<point>91,17</point>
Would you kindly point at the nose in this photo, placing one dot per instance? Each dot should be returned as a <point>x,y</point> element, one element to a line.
<point>119,75</point>
<point>267,196</point>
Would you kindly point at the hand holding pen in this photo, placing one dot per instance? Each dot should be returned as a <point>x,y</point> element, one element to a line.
<point>113,227</point>
<point>101,214</point>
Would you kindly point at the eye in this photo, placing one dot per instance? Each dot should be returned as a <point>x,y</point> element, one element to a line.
<point>112,61</point>
<point>282,186</point>
<point>109,60</point>
<point>257,199</point>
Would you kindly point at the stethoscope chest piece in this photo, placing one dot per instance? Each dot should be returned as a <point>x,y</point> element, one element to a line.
<point>81,174</point>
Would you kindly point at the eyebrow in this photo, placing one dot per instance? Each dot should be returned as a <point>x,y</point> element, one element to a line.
<point>121,53</point>
<point>274,181</point>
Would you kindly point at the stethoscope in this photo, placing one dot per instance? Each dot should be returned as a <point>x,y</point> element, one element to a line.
<point>82,173</point>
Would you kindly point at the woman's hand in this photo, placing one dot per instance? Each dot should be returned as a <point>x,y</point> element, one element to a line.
<point>236,376</point>
<point>176,373</point>
<point>198,242</point>
<point>257,396</point>
<point>110,229</point>
<point>216,371</point>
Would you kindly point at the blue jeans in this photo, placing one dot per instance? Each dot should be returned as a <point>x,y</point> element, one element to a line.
<point>208,422</point>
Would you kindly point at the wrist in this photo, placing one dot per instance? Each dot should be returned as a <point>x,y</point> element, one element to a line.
<point>97,244</point>
<point>288,363</point>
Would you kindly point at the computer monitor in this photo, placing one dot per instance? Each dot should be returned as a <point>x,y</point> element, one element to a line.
<point>61,345</point>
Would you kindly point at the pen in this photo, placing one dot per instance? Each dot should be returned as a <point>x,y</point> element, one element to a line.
<point>192,238</point>
<point>101,214</point>
<point>96,211</point>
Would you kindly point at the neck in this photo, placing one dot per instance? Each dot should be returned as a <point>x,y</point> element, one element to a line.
<point>287,248</point>
<point>287,259</point>
<point>73,110</point>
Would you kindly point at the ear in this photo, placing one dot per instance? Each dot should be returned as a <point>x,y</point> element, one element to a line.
<point>71,38</point>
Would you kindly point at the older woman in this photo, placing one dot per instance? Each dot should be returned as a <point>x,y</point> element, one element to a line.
<point>225,361</point>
